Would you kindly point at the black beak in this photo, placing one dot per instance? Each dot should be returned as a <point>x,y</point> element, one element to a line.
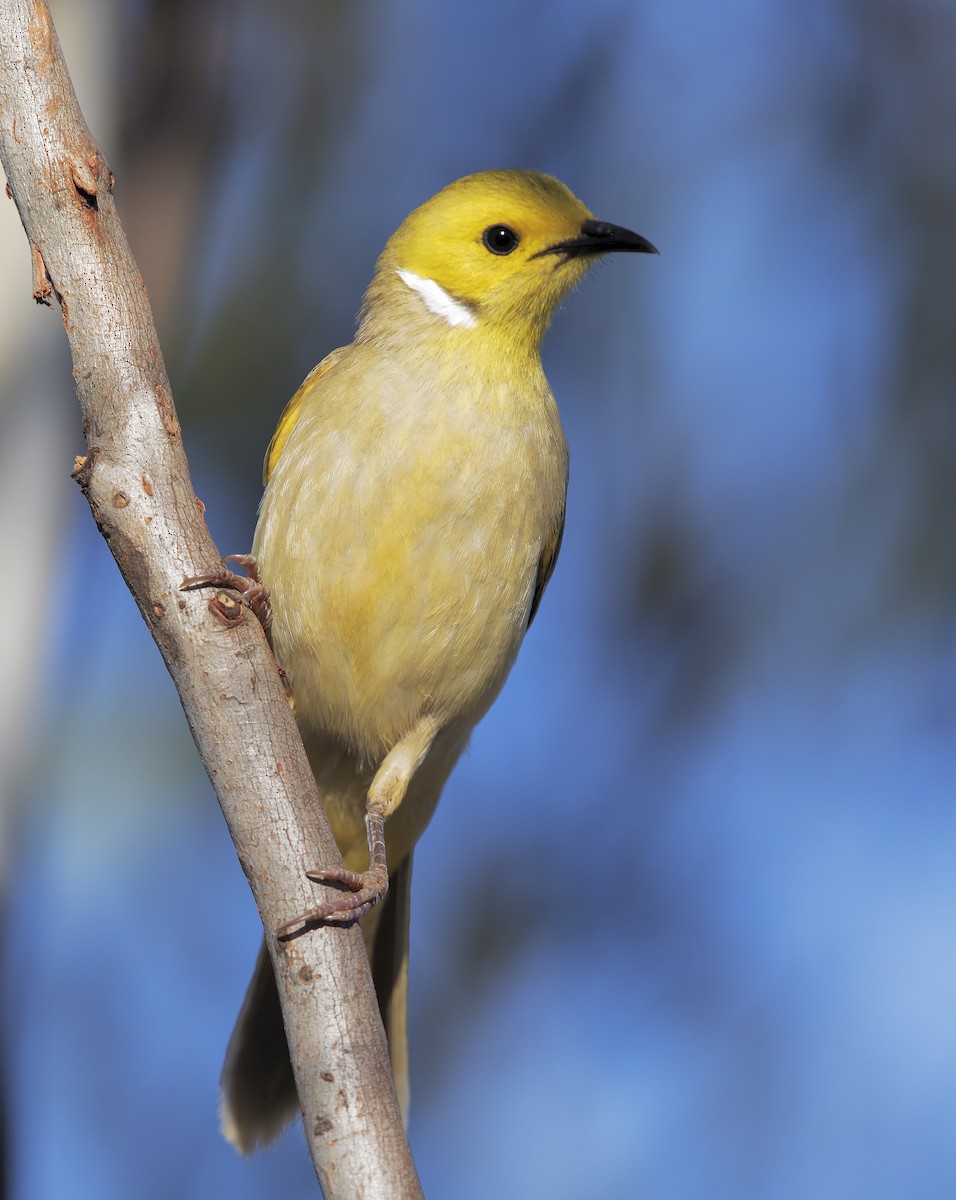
<point>600,237</point>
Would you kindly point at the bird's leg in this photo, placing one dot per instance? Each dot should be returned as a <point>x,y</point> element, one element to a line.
<point>253,591</point>
<point>366,888</point>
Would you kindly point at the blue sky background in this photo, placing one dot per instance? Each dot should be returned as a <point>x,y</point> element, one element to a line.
<point>683,924</point>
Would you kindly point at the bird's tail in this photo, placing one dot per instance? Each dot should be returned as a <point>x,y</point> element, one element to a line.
<point>258,1096</point>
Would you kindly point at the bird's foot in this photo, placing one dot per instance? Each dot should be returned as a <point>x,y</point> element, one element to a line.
<point>365,890</point>
<point>254,592</point>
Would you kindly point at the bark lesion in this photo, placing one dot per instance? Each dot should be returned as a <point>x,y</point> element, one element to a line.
<point>42,283</point>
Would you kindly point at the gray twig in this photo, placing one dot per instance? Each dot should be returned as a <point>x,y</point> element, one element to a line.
<point>136,479</point>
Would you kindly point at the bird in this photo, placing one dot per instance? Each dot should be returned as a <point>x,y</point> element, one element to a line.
<point>412,516</point>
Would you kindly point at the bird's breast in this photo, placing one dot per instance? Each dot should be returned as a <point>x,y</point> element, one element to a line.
<point>401,553</point>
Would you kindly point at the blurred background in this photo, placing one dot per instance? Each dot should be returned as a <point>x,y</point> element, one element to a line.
<point>701,943</point>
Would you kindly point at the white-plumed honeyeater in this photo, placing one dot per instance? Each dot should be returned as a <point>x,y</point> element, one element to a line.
<point>411,520</point>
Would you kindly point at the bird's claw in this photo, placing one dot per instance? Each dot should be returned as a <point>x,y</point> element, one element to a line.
<point>253,591</point>
<point>365,889</point>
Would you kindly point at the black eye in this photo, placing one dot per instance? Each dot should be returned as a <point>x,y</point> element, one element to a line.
<point>499,239</point>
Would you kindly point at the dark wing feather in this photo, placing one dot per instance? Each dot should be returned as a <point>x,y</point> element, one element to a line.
<point>546,567</point>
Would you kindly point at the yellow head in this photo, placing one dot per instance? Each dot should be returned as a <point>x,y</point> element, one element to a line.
<point>496,250</point>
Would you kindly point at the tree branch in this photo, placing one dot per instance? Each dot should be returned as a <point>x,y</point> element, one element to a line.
<point>136,479</point>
